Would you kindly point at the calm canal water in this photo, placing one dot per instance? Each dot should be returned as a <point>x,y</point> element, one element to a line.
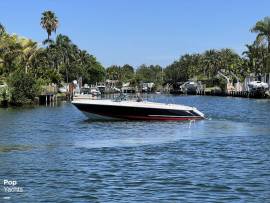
<point>56,155</point>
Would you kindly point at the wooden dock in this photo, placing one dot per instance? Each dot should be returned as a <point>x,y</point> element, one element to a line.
<point>48,95</point>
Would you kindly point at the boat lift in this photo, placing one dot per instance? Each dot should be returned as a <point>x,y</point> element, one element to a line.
<point>229,86</point>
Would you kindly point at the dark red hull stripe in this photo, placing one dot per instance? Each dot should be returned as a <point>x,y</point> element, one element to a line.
<point>163,118</point>
<point>152,117</point>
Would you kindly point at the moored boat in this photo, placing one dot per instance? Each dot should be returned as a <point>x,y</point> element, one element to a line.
<point>258,86</point>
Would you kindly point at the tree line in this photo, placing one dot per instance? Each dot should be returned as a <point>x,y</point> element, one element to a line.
<point>26,66</point>
<point>57,61</point>
<point>142,74</point>
<point>205,66</point>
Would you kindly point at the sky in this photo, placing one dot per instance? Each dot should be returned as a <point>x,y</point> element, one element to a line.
<point>136,32</point>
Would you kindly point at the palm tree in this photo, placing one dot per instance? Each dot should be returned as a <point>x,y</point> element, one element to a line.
<point>262,27</point>
<point>29,49</point>
<point>49,22</point>
<point>256,58</point>
<point>210,63</point>
<point>64,47</point>
<point>10,50</point>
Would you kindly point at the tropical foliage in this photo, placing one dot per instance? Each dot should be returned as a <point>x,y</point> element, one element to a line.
<point>23,87</point>
<point>49,22</point>
<point>25,65</point>
<point>2,29</point>
<point>152,73</point>
<point>123,73</point>
<point>262,27</point>
<point>204,66</point>
<point>256,59</point>
<point>61,60</point>
<point>143,73</point>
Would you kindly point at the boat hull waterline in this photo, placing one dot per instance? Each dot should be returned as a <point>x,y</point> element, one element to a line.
<point>131,110</point>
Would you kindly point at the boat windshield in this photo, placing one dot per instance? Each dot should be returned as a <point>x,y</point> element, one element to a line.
<point>121,97</point>
<point>124,97</point>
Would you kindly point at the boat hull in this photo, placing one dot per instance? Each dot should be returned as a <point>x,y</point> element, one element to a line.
<point>118,112</point>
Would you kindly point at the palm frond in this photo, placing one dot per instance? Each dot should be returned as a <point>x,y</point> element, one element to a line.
<point>47,41</point>
<point>260,39</point>
<point>2,29</point>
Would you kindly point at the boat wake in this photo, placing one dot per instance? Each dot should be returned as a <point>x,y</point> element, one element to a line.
<point>134,134</point>
<point>138,134</point>
<point>126,142</point>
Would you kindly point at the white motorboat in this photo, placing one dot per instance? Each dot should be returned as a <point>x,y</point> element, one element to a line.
<point>136,110</point>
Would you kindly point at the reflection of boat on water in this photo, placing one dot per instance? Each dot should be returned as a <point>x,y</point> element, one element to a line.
<point>136,110</point>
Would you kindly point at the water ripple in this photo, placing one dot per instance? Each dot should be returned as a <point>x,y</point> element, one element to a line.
<point>55,153</point>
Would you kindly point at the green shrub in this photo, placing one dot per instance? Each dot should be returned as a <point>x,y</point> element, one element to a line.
<point>39,85</point>
<point>23,88</point>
